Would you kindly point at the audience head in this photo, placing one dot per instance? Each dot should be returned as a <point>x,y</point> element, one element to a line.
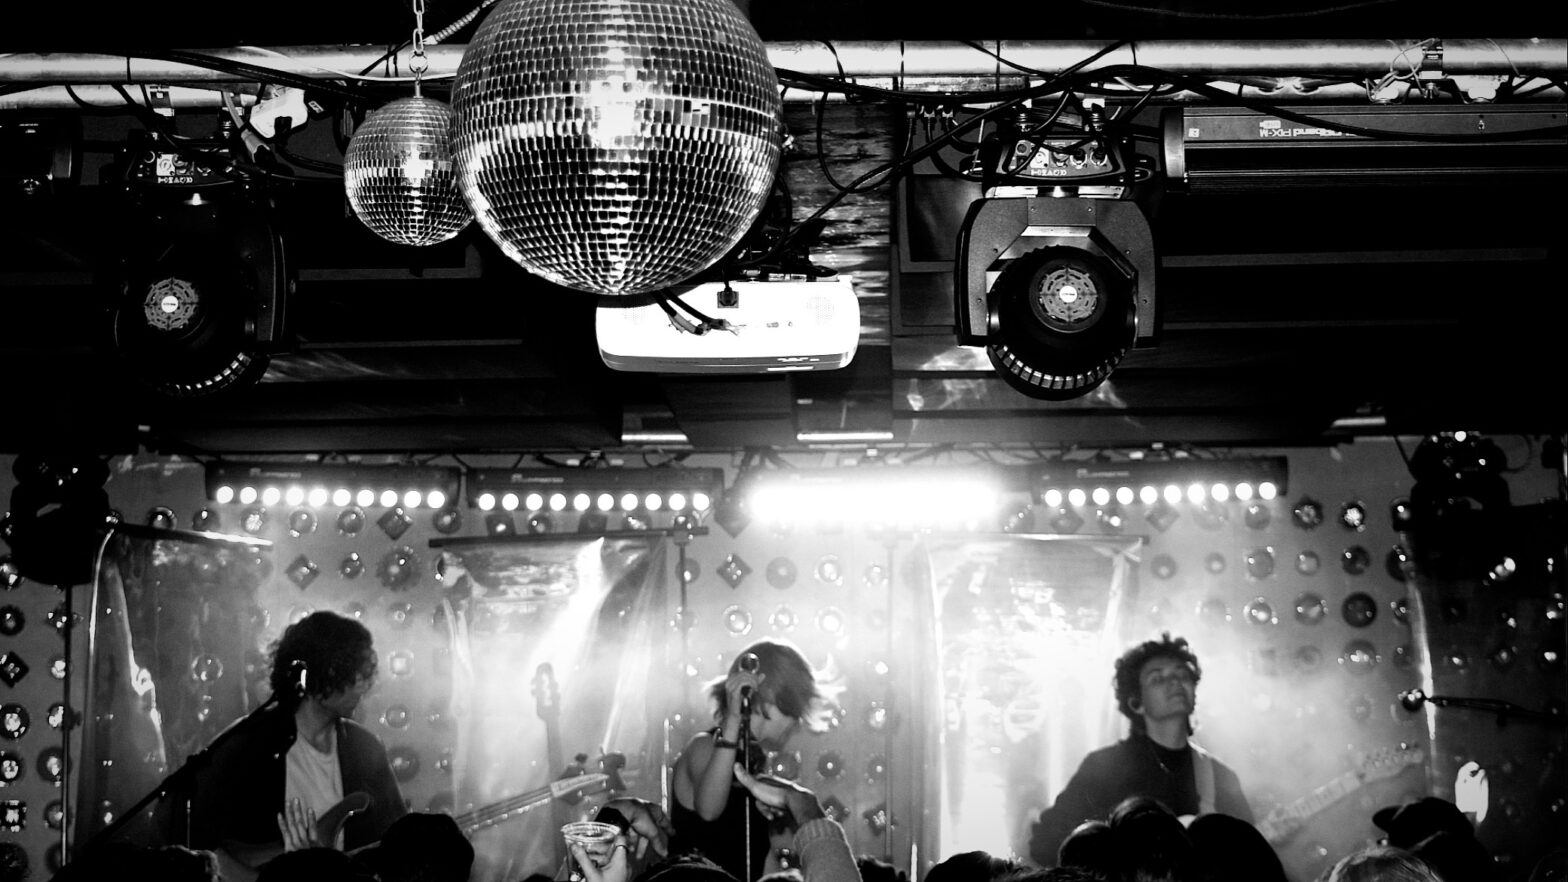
<point>1151,842</point>
<point>971,866</point>
<point>1092,844</point>
<point>1233,850</point>
<point>1129,688</point>
<point>1437,832</point>
<point>1380,863</point>
<point>312,865</point>
<point>422,847</point>
<point>877,870</point>
<point>788,683</point>
<point>124,860</point>
<point>691,867</point>
<point>335,651</point>
<point>1057,874</point>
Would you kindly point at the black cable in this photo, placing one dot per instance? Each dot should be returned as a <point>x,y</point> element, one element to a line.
<point>265,74</point>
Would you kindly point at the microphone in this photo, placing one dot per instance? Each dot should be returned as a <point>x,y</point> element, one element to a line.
<point>750,664</point>
<point>299,677</point>
<point>1411,700</point>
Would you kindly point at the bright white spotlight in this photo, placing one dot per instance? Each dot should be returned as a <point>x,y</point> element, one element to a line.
<point>509,501</point>
<point>341,497</point>
<point>1149,494</point>
<point>365,498</point>
<point>1076,497</point>
<point>605,502</point>
<point>1196,494</point>
<point>629,501</point>
<point>294,496</point>
<point>677,502</point>
<point>558,502</point>
<point>436,499</point>
<point>1053,498</point>
<point>1244,491</point>
<point>653,502</point>
<point>412,499</point>
<point>701,501</point>
<point>270,496</point>
<point>223,495</point>
<point>581,501</point>
<point>1125,496</point>
<point>1219,492</point>
<point>317,497</point>
<point>1101,496</point>
<point>1172,494</point>
<point>1267,490</point>
<point>486,501</point>
<point>533,501</point>
<point>248,495</point>
<point>388,498</point>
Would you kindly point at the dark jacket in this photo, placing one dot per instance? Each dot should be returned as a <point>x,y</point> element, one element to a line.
<point>1132,767</point>
<point>239,794</point>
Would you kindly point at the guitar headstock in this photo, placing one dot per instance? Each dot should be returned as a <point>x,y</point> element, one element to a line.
<point>1386,762</point>
<point>546,692</point>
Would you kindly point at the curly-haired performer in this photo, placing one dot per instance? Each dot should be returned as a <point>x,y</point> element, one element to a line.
<point>1156,686</point>
<point>269,783</point>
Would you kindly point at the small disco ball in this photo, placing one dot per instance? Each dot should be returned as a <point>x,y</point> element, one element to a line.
<point>399,174</point>
<point>616,146</point>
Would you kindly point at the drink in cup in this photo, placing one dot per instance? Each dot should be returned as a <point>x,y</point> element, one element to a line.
<point>597,840</point>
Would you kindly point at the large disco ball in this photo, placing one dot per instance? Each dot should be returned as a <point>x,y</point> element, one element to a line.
<point>399,174</point>
<point>616,146</point>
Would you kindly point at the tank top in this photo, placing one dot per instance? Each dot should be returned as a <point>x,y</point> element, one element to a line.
<point>723,839</point>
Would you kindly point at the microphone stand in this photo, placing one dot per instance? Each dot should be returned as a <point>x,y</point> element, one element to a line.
<point>1503,709</point>
<point>745,759</point>
<point>185,774</point>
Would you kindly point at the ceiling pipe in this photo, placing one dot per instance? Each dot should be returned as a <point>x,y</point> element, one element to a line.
<point>881,58</point>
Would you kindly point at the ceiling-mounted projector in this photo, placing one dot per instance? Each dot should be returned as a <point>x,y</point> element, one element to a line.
<point>734,327</point>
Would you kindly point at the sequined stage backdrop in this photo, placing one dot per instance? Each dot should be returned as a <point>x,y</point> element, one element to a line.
<point>559,650</point>
<point>167,619</point>
<point>1025,629</point>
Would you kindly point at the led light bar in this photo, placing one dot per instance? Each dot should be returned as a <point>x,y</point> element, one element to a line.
<point>1173,481</point>
<point>893,496</point>
<point>319,486</point>
<point>601,490</point>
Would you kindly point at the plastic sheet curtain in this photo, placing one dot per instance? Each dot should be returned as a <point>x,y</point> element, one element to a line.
<point>1026,630</point>
<point>168,628</point>
<point>559,650</point>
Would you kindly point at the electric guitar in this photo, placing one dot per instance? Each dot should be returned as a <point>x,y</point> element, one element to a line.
<point>1283,822</point>
<point>240,862</point>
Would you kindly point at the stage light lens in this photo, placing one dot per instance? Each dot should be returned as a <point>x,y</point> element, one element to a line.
<point>1219,493</point>
<point>1172,494</point>
<point>436,499</point>
<point>653,502</point>
<point>1244,491</point>
<point>581,502</point>
<point>509,502</point>
<point>1076,497</point>
<point>1101,496</point>
<point>677,502</point>
<point>1267,490</point>
<point>388,498</point>
<point>317,497</point>
<point>1053,498</point>
<point>412,499</point>
<point>223,495</point>
<point>628,501</point>
<point>294,496</point>
<point>558,502</point>
<point>365,498</point>
<point>701,501</point>
<point>486,501</point>
<point>605,502</point>
<point>533,501</point>
<point>1196,494</point>
<point>1125,496</point>
<point>270,496</point>
<point>1148,495</point>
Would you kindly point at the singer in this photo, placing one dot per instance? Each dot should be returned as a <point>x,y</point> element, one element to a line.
<point>267,785</point>
<point>709,807</point>
<point>1156,686</point>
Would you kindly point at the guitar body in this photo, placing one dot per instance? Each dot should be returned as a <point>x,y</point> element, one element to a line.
<point>242,861</point>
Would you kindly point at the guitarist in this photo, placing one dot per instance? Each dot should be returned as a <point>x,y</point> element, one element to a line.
<point>297,760</point>
<point>1156,686</point>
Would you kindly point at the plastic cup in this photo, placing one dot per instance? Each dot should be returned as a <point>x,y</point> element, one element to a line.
<point>597,840</point>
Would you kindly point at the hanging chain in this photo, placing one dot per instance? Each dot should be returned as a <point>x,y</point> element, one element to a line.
<point>417,62</point>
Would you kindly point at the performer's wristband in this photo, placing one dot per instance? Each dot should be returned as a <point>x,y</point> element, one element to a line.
<point>719,742</point>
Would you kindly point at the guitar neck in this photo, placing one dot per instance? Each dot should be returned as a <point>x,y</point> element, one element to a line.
<point>1281,822</point>
<point>496,812</point>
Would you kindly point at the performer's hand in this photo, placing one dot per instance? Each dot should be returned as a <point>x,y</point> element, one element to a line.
<point>617,870</point>
<point>298,826</point>
<point>732,689</point>
<point>780,795</point>
<point>650,826</point>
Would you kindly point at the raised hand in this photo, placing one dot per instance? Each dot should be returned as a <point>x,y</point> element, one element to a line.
<point>651,827</point>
